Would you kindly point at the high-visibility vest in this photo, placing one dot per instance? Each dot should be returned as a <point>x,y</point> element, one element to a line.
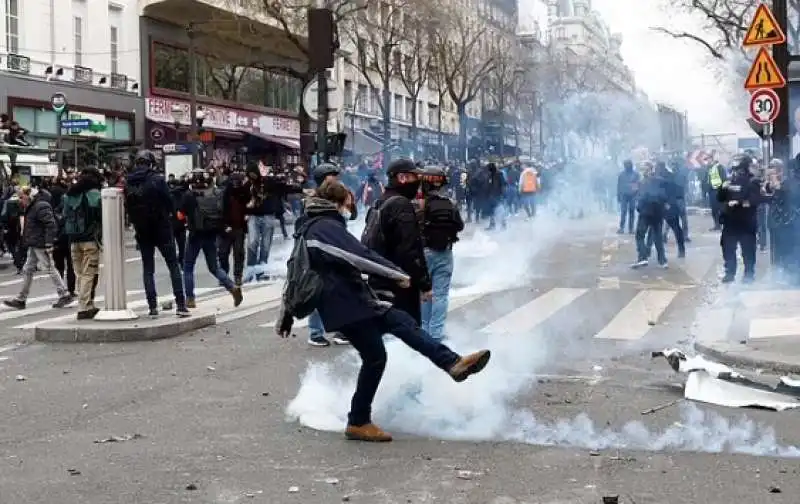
<point>530,181</point>
<point>714,179</point>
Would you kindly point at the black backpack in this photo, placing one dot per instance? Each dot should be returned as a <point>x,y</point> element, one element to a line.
<point>142,213</point>
<point>373,236</point>
<point>439,227</point>
<point>303,287</point>
<point>208,214</point>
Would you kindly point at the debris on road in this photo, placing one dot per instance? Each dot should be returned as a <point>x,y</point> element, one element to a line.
<point>660,407</point>
<point>118,439</point>
<point>20,377</point>
<point>714,383</point>
<point>210,368</point>
<point>467,475</point>
<point>611,499</point>
<point>294,489</point>
<point>73,472</point>
<point>191,487</point>
<point>774,489</point>
<point>332,481</point>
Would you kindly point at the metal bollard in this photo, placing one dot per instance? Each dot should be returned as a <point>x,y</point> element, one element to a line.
<point>116,303</point>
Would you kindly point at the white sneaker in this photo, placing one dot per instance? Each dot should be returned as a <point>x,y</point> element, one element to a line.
<point>640,264</point>
<point>339,339</point>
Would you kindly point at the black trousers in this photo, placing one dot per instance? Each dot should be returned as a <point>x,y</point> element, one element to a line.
<point>179,232</point>
<point>730,240</point>
<point>62,260</point>
<point>227,242</point>
<point>367,338</point>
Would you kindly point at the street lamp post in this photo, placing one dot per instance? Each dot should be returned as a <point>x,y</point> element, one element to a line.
<point>199,118</point>
<point>190,32</point>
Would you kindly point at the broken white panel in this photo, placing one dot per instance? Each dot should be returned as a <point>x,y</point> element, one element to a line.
<point>702,387</point>
<point>532,314</point>
<point>683,364</point>
<point>634,321</point>
<point>761,328</point>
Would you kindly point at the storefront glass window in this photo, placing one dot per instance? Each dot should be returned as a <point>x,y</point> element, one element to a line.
<point>26,117</point>
<point>46,122</point>
<point>251,86</point>
<point>122,129</point>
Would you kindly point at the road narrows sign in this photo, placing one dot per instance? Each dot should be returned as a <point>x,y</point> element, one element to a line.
<point>764,73</point>
<point>764,106</point>
<point>764,29</point>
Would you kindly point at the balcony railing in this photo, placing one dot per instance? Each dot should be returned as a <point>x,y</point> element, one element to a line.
<point>84,76</point>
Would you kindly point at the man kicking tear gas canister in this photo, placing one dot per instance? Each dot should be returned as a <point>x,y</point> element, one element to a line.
<point>347,304</point>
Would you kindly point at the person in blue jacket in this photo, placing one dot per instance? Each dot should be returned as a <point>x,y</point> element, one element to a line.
<point>349,305</point>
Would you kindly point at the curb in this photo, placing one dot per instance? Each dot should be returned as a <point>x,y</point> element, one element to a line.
<point>734,358</point>
<point>72,331</point>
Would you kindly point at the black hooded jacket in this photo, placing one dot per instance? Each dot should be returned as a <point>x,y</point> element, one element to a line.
<point>41,228</point>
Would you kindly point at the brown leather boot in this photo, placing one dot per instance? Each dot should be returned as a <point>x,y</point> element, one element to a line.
<point>190,303</point>
<point>369,432</point>
<point>236,292</point>
<point>469,365</point>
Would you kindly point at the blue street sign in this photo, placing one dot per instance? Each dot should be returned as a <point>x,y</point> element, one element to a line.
<point>76,124</point>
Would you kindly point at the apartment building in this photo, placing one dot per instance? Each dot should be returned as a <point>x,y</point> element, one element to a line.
<point>86,49</point>
<point>575,26</point>
<point>437,121</point>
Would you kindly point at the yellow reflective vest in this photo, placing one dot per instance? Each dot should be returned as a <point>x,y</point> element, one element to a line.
<point>714,178</point>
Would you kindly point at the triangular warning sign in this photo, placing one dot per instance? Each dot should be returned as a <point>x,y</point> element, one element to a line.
<point>764,73</point>
<point>764,30</point>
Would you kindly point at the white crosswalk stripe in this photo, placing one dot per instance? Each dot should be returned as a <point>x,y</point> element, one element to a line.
<point>640,309</point>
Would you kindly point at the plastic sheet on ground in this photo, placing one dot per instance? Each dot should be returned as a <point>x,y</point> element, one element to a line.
<point>714,383</point>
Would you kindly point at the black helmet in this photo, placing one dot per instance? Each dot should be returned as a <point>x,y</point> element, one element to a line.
<point>145,157</point>
<point>435,175</point>
<point>323,170</point>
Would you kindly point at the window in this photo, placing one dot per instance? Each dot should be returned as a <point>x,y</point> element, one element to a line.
<point>12,26</point>
<point>348,95</point>
<point>171,68</point>
<point>78,40</point>
<point>114,50</point>
<point>362,99</point>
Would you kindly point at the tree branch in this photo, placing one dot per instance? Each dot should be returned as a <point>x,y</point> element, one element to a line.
<point>685,35</point>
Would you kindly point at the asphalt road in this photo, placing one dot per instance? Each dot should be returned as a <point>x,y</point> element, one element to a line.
<point>556,418</point>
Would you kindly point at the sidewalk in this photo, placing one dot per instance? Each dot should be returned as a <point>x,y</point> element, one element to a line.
<point>758,328</point>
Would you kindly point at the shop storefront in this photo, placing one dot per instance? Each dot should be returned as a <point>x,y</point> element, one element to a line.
<point>225,131</point>
<point>112,114</point>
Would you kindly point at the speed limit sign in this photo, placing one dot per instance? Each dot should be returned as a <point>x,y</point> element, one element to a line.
<point>764,106</point>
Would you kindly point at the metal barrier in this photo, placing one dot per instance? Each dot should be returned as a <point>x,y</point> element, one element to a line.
<point>116,303</point>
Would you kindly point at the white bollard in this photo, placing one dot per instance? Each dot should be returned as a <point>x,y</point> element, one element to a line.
<point>116,303</point>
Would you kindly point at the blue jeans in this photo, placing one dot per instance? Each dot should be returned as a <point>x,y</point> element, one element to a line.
<point>434,312</point>
<point>259,238</point>
<point>366,337</point>
<point>315,327</point>
<point>627,206</point>
<point>207,243</point>
<point>148,252</point>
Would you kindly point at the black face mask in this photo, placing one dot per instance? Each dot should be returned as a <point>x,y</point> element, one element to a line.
<point>409,189</point>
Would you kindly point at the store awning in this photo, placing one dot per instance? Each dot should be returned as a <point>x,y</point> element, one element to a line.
<point>40,164</point>
<point>359,143</point>
<point>289,143</point>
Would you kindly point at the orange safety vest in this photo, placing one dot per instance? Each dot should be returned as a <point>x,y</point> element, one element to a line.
<point>530,181</point>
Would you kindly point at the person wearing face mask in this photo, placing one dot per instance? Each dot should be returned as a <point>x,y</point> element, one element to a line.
<point>346,303</point>
<point>392,230</point>
<point>739,197</point>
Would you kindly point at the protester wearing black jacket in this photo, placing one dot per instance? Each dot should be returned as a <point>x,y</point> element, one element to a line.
<point>348,305</point>
<point>234,216</point>
<point>403,239</point>
<point>739,196</point>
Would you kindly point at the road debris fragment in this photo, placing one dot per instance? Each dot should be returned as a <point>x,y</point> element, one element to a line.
<point>191,487</point>
<point>118,439</point>
<point>774,489</point>
<point>660,407</point>
<point>20,377</point>
<point>332,481</point>
<point>73,472</point>
<point>611,499</point>
<point>467,475</point>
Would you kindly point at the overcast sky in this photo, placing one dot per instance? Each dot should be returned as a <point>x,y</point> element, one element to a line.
<point>670,71</point>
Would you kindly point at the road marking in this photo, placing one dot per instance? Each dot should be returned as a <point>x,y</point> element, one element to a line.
<point>141,303</point>
<point>9,348</point>
<point>634,321</point>
<point>762,328</point>
<point>11,313</point>
<point>697,268</point>
<point>454,304</point>
<point>712,324</point>
<point>18,281</point>
<point>608,283</point>
<point>530,315</point>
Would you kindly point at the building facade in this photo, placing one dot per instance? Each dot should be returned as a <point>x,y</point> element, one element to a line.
<point>437,121</point>
<point>88,50</point>
<point>241,107</point>
<point>574,25</point>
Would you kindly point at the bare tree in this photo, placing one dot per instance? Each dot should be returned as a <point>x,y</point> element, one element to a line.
<point>464,57</point>
<point>504,82</point>
<point>418,58</point>
<point>377,35</point>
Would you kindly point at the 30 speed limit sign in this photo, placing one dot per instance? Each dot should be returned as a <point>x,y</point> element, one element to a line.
<point>764,106</point>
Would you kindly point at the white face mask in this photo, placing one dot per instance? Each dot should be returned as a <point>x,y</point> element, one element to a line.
<point>345,213</point>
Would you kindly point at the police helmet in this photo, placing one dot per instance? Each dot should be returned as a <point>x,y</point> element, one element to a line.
<point>145,157</point>
<point>435,175</point>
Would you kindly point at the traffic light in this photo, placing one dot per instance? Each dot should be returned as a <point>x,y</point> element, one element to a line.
<point>322,39</point>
